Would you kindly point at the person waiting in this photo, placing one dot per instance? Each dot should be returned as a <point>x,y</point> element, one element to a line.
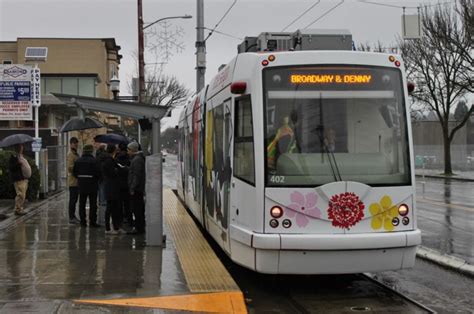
<point>87,171</point>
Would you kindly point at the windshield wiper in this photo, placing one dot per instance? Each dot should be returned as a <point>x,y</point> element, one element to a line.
<point>330,154</point>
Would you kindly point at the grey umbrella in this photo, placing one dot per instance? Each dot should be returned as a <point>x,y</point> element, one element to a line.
<point>77,124</point>
<point>16,139</point>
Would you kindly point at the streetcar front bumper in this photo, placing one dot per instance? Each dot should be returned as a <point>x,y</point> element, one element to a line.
<point>324,253</point>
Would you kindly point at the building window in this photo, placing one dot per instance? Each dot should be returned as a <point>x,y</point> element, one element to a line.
<point>70,86</point>
<point>7,62</point>
<point>81,86</point>
<point>87,86</point>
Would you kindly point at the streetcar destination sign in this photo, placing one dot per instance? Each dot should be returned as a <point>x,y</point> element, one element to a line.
<point>330,78</point>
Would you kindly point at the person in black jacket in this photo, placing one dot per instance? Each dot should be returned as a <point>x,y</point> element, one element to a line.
<point>136,186</point>
<point>87,172</point>
<point>112,189</point>
<point>123,162</point>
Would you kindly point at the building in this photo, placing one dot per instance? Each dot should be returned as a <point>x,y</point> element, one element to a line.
<point>76,66</point>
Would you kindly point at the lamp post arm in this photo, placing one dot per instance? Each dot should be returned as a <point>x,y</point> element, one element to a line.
<point>168,18</point>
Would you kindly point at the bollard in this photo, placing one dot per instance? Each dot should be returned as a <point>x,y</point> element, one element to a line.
<point>154,200</point>
<point>423,176</point>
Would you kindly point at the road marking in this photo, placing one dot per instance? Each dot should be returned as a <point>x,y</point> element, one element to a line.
<point>218,302</point>
<point>435,202</point>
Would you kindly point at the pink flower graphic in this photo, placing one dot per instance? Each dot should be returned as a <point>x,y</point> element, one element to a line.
<point>303,207</point>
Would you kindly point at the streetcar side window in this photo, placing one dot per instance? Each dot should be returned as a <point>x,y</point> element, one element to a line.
<point>244,162</point>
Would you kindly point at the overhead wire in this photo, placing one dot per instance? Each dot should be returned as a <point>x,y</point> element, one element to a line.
<point>225,34</point>
<point>325,13</point>
<point>221,19</point>
<point>405,6</point>
<point>301,15</point>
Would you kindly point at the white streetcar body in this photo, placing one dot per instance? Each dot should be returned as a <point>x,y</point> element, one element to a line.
<point>324,136</point>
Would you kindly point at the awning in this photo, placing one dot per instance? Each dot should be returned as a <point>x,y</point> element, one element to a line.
<point>120,108</point>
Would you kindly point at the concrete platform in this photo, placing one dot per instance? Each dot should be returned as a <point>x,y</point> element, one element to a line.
<point>47,266</point>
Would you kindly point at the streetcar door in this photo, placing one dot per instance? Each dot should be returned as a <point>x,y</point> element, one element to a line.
<point>217,169</point>
<point>244,199</point>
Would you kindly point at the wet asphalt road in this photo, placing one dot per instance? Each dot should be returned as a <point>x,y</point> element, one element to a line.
<point>446,216</point>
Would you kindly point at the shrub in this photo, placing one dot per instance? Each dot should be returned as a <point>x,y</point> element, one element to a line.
<point>6,185</point>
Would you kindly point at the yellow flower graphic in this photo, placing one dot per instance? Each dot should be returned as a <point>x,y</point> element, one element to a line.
<point>383,213</point>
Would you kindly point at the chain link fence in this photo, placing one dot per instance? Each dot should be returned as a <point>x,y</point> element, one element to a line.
<point>432,157</point>
<point>57,173</point>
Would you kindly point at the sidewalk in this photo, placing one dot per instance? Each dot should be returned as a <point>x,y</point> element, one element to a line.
<point>48,263</point>
<point>49,266</point>
<point>438,174</point>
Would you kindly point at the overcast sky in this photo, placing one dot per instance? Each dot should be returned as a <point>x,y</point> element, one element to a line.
<point>118,19</point>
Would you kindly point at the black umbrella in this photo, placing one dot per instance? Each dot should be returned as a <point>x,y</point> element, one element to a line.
<point>16,139</point>
<point>111,138</point>
<point>77,124</point>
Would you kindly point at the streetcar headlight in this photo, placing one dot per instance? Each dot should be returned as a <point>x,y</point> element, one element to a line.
<point>276,212</point>
<point>273,223</point>
<point>406,220</point>
<point>403,209</point>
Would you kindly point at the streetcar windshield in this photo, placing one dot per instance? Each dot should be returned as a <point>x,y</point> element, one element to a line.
<point>334,123</point>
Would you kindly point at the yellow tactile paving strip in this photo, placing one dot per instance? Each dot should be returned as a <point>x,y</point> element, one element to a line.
<point>202,269</point>
<point>217,302</point>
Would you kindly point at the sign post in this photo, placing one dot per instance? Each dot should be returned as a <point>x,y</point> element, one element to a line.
<point>36,102</point>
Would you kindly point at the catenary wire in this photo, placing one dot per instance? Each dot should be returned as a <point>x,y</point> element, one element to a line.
<point>221,19</point>
<point>301,15</point>
<point>325,13</point>
<point>405,6</point>
<point>225,34</point>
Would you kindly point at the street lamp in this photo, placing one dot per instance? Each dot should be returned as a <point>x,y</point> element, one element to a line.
<point>186,16</point>
<point>115,86</point>
<point>141,47</point>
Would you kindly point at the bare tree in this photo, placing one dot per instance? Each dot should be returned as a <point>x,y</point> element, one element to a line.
<point>163,90</point>
<point>464,40</point>
<point>437,66</point>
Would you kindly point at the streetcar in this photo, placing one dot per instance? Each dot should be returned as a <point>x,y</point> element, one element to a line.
<point>301,162</point>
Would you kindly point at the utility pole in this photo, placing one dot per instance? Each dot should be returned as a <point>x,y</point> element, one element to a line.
<point>141,59</point>
<point>200,47</point>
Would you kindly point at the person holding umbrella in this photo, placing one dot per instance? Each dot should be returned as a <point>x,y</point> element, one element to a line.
<point>20,172</point>
<point>72,156</point>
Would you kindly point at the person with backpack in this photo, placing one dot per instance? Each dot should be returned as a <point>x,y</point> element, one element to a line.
<point>20,172</point>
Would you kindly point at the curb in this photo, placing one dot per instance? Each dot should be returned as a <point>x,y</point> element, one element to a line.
<point>432,176</point>
<point>448,261</point>
<point>11,221</point>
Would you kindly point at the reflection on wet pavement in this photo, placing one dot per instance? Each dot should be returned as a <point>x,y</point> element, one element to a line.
<point>446,216</point>
<point>47,259</point>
